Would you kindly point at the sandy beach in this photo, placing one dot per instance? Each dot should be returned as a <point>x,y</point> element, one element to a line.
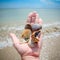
<point>50,51</point>
<point>50,47</point>
<point>9,53</point>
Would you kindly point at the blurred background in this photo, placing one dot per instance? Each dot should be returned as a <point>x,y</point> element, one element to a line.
<point>13,15</point>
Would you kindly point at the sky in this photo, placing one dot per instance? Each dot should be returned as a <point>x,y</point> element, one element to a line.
<point>29,3</point>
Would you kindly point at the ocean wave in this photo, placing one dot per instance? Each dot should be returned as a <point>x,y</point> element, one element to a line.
<point>6,43</point>
<point>9,42</point>
<point>49,31</point>
<point>51,35</point>
<point>12,27</point>
<point>22,26</point>
<point>51,24</point>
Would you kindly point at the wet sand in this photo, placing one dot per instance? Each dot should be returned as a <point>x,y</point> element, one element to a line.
<point>50,47</point>
<point>50,51</point>
<point>9,53</point>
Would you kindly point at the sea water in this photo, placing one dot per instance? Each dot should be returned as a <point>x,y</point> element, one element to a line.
<point>20,15</point>
<point>13,20</point>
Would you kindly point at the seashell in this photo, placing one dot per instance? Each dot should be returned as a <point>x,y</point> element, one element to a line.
<point>26,34</point>
<point>36,27</point>
<point>28,26</point>
<point>32,30</point>
<point>34,36</point>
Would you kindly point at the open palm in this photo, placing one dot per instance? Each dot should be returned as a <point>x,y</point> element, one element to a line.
<point>24,48</point>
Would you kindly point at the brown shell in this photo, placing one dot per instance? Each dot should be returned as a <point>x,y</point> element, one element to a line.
<point>35,40</point>
<point>28,26</point>
<point>26,33</point>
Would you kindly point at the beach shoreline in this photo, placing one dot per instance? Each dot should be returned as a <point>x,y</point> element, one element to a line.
<point>50,47</point>
<point>50,50</point>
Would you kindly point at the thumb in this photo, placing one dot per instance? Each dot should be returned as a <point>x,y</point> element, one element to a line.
<point>14,38</point>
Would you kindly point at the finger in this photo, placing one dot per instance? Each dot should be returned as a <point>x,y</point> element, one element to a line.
<point>37,42</point>
<point>40,21</point>
<point>40,41</point>
<point>14,38</point>
<point>32,14</point>
<point>30,20</point>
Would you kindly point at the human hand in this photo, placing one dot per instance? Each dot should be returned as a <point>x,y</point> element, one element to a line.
<point>24,49</point>
<point>33,17</point>
<point>27,52</point>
